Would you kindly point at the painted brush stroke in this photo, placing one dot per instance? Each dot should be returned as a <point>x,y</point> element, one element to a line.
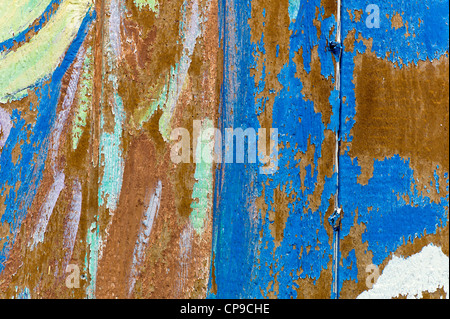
<point>37,59</point>
<point>5,126</point>
<point>73,221</point>
<point>17,15</point>
<point>144,234</point>
<point>28,170</point>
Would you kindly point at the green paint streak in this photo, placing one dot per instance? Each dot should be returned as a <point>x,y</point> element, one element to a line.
<point>171,96</point>
<point>38,58</point>
<point>111,158</point>
<point>153,5</point>
<point>145,114</point>
<point>93,239</point>
<point>166,97</point>
<point>202,194</point>
<point>17,15</point>
<point>84,99</point>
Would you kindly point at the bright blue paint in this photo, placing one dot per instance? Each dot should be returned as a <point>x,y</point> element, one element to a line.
<point>431,41</point>
<point>349,270</point>
<point>239,270</point>
<point>391,220</point>
<point>243,262</point>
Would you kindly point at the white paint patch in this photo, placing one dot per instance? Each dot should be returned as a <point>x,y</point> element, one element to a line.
<point>65,109</point>
<point>114,26</point>
<point>294,6</point>
<point>72,221</point>
<point>47,209</point>
<point>144,234</point>
<point>425,271</point>
<point>185,256</point>
<point>5,126</point>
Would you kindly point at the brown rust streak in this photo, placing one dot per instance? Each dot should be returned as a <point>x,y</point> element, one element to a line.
<point>279,215</point>
<point>275,27</point>
<point>316,87</point>
<point>151,47</point>
<point>352,289</point>
<point>139,181</point>
<point>402,111</point>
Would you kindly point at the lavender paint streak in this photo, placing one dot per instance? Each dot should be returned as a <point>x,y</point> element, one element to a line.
<point>47,209</point>
<point>59,177</point>
<point>5,126</point>
<point>144,234</point>
<point>72,222</point>
<point>185,254</point>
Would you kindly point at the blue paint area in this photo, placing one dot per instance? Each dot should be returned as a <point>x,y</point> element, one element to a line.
<point>233,224</point>
<point>390,221</point>
<point>247,262</point>
<point>21,37</point>
<point>427,20</point>
<point>349,269</point>
<point>20,180</point>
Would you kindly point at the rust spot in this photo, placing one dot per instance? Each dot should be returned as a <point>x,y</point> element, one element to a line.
<point>279,214</point>
<point>316,87</point>
<point>397,21</point>
<point>402,111</point>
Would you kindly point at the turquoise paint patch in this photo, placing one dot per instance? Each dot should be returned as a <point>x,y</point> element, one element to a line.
<point>294,6</point>
<point>111,159</point>
<point>93,240</point>
<point>203,189</point>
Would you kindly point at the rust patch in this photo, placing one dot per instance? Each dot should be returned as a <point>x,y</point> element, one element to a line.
<point>318,288</point>
<point>397,21</point>
<point>349,41</point>
<point>402,111</point>
<point>316,87</point>
<point>352,289</point>
<point>114,268</point>
<point>279,214</point>
<point>275,27</point>
<point>358,15</point>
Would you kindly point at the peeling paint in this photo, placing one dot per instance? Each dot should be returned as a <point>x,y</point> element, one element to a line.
<point>90,92</point>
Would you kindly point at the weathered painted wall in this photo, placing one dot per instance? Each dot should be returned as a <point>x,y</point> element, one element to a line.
<point>92,92</point>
